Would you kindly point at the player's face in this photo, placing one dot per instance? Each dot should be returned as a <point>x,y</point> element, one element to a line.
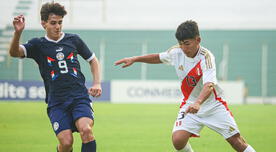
<point>53,26</point>
<point>190,46</point>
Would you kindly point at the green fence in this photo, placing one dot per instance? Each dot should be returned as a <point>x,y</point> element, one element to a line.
<point>244,57</point>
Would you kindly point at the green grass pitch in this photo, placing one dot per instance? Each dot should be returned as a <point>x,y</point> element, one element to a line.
<point>25,127</point>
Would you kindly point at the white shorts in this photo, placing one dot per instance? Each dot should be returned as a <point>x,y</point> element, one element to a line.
<point>221,121</point>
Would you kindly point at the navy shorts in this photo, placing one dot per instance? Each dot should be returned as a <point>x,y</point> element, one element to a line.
<point>64,116</point>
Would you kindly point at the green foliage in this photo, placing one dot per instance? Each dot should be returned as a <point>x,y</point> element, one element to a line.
<point>24,126</point>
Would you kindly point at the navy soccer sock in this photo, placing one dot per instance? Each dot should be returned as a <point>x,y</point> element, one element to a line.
<point>89,147</point>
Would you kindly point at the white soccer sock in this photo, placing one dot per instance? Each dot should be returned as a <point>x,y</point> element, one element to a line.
<point>187,148</point>
<point>249,149</point>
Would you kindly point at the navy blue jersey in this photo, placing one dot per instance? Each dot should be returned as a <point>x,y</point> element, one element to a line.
<point>59,66</point>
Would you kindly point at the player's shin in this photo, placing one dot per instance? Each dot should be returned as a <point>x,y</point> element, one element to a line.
<point>89,147</point>
<point>187,148</point>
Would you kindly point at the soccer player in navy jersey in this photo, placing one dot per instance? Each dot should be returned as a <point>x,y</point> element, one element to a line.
<point>69,107</point>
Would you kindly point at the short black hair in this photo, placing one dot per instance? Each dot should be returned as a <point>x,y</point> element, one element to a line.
<point>51,8</point>
<point>187,30</point>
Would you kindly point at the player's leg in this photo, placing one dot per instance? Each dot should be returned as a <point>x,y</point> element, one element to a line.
<point>84,120</point>
<point>65,139</point>
<point>180,141</point>
<point>224,123</point>
<point>62,123</point>
<point>185,126</point>
<point>239,144</point>
<point>84,126</point>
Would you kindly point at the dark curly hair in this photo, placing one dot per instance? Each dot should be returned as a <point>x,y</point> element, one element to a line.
<point>187,30</point>
<point>51,8</point>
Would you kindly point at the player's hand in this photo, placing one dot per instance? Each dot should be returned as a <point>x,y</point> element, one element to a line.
<point>95,90</point>
<point>193,108</point>
<point>19,23</point>
<point>126,61</point>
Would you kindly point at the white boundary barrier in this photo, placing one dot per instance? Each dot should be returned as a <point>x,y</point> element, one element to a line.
<point>164,91</point>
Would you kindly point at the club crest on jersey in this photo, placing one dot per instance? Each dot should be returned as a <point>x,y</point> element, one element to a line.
<point>55,126</point>
<point>59,49</point>
<point>71,57</point>
<point>50,60</point>
<point>60,56</point>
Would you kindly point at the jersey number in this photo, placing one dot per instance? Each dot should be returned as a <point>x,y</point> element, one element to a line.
<point>63,66</point>
<point>191,81</point>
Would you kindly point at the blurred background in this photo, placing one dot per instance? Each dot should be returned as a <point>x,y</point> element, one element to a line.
<point>241,35</point>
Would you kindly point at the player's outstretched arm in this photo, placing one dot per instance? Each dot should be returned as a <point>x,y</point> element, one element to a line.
<point>150,58</point>
<point>96,89</point>
<point>19,25</point>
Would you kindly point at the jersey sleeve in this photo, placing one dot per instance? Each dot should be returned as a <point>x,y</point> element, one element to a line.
<point>168,57</point>
<point>83,50</point>
<point>30,49</point>
<point>209,68</point>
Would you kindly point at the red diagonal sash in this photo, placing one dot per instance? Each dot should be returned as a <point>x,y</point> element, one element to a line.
<point>190,81</point>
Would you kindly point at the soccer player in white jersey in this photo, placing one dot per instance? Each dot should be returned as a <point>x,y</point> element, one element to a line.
<point>204,103</point>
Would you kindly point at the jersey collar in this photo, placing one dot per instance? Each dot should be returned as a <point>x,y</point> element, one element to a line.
<point>48,39</point>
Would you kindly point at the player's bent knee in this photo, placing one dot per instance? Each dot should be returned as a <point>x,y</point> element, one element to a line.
<point>65,138</point>
<point>178,141</point>
<point>66,142</point>
<point>86,130</point>
<point>178,145</point>
<point>86,134</point>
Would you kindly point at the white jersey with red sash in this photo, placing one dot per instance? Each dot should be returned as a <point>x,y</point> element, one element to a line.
<point>193,74</point>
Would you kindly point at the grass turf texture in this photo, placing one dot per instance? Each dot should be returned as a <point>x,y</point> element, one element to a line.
<point>25,127</point>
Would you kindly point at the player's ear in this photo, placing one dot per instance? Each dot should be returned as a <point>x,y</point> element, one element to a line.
<point>43,23</point>
<point>198,39</point>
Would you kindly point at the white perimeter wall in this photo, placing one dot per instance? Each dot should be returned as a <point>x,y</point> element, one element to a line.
<point>139,91</point>
<point>155,14</point>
